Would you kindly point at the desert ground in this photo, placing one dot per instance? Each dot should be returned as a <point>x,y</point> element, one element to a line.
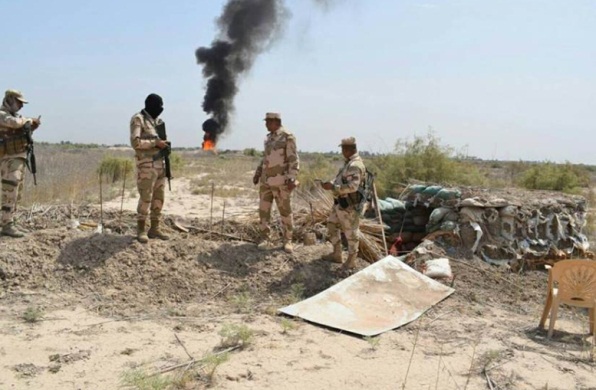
<point>88,308</point>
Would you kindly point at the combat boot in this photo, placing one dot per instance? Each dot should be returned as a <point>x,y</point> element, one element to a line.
<point>11,230</point>
<point>288,247</point>
<point>141,233</point>
<point>155,232</point>
<point>335,256</point>
<point>351,262</point>
<point>265,245</point>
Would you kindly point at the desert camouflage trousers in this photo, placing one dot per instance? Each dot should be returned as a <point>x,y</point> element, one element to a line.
<point>151,185</point>
<point>283,199</point>
<point>13,173</point>
<point>346,221</point>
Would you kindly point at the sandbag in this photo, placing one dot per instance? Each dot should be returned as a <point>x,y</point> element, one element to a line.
<point>437,268</point>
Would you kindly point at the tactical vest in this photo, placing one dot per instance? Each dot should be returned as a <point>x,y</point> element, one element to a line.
<point>12,142</point>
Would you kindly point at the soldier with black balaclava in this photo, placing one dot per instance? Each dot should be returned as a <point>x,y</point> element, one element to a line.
<point>13,157</point>
<point>151,176</point>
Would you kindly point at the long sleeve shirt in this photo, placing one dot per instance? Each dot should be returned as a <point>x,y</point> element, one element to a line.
<point>10,124</point>
<point>143,136</point>
<point>280,161</point>
<point>349,177</point>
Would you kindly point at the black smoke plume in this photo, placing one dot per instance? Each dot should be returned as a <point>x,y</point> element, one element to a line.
<point>246,29</point>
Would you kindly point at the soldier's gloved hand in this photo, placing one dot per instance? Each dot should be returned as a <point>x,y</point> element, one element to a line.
<point>291,184</point>
<point>161,144</point>
<point>327,185</point>
<point>255,178</point>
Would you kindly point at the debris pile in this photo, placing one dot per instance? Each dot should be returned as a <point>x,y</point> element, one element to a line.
<point>502,227</point>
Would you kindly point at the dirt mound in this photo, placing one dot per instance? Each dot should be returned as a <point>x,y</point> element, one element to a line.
<point>113,273</point>
<point>116,272</point>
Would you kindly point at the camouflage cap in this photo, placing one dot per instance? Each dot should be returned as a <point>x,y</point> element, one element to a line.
<point>16,94</point>
<point>350,141</point>
<point>272,115</point>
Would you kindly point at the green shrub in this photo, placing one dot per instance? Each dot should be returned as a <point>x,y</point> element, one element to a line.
<point>176,161</point>
<point>424,159</point>
<point>252,152</point>
<point>141,380</point>
<point>318,167</point>
<point>555,177</point>
<point>114,168</point>
<point>233,335</point>
<point>32,315</point>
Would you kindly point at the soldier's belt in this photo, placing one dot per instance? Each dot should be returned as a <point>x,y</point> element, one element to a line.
<point>345,201</point>
<point>6,137</point>
<point>267,176</point>
<point>149,137</point>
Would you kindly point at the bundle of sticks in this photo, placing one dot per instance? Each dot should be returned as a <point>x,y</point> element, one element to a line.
<point>311,210</point>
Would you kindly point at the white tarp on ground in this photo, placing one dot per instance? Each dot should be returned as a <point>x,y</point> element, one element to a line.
<point>381,297</point>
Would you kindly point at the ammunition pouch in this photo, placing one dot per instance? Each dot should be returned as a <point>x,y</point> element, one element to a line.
<point>349,200</point>
<point>355,198</point>
<point>343,203</point>
<point>13,145</point>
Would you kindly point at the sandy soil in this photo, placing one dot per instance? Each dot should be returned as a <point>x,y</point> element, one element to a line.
<point>181,202</point>
<point>111,307</point>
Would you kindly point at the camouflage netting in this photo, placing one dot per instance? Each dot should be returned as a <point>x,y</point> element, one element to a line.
<point>498,226</point>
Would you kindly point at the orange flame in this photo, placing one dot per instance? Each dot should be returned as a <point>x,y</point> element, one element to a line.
<point>208,145</point>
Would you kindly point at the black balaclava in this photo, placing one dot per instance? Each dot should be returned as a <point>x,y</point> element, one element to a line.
<point>154,105</point>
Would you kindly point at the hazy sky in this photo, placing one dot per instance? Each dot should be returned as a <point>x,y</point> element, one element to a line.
<point>509,79</point>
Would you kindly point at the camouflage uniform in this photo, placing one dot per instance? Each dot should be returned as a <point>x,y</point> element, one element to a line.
<point>344,217</point>
<point>150,174</point>
<point>280,164</point>
<point>13,157</point>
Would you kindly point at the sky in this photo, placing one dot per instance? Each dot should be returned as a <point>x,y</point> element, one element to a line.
<point>502,79</point>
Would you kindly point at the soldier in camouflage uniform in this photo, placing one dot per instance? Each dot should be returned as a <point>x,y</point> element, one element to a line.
<point>344,216</point>
<point>13,155</point>
<point>150,174</point>
<point>277,174</point>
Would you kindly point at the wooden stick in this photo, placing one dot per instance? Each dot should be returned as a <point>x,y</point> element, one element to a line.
<point>223,216</point>
<point>191,362</point>
<point>211,218</point>
<point>439,367</point>
<point>100,199</point>
<point>380,218</point>
<point>182,345</point>
<point>123,188</point>
<point>231,237</point>
<point>489,381</point>
<point>403,385</point>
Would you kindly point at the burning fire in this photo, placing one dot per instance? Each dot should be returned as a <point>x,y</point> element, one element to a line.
<point>210,127</point>
<point>208,145</point>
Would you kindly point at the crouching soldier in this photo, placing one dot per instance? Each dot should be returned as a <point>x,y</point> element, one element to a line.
<point>345,216</point>
<point>151,175</point>
<point>13,157</point>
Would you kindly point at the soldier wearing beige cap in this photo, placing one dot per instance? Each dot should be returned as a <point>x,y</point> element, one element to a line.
<point>344,216</point>
<point>276,176</point>
<point>13,155</point>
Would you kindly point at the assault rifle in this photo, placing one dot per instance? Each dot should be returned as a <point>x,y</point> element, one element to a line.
<point>30,160</point>
<point>165,152</point>
<point>366,190</point>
